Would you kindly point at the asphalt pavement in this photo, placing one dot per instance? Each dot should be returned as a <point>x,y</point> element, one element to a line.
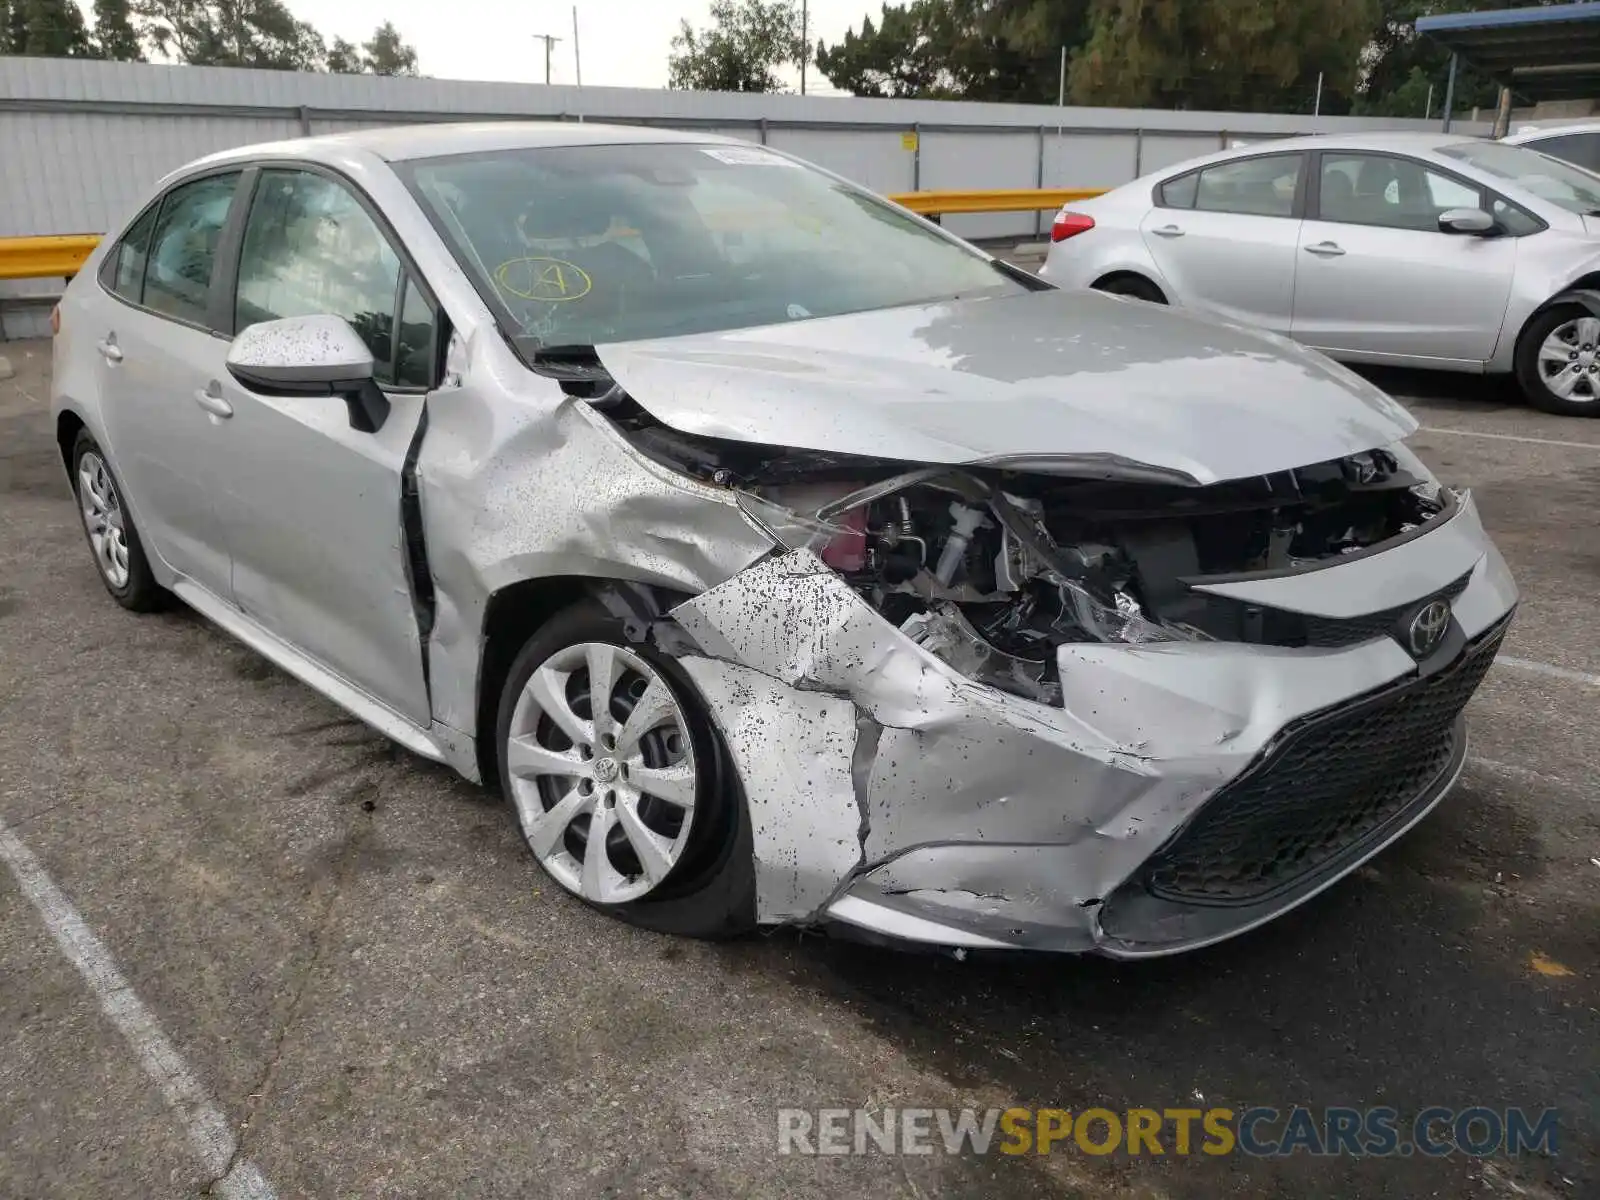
<point>311,962</point>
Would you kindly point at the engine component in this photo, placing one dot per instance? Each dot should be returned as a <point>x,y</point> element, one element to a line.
<point>965,521</point>
<point>992,571</point>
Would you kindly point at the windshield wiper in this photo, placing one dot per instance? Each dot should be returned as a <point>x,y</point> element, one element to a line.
<point>575,360</point>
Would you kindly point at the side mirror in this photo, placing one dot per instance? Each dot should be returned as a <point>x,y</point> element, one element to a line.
<point>1473,221</point>
<point>310,356</point>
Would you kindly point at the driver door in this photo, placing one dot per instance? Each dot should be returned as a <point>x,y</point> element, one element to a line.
<point>314,504</point>
<point>1378,280</point>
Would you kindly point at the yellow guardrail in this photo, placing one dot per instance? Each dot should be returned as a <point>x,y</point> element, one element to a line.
<point>1024,200</point>
<point>49,257</point>
<point>45,257</point>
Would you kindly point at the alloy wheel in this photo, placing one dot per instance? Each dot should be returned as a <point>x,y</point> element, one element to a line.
<point>602,772</point>
<point>1569,360</point>
<point>103,518</point>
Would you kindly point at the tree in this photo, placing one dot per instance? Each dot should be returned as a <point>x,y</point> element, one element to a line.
<point>344,58</point>
<point>973,49</point>
<point>114,36</point>
<point>231,33</point>
<point>385,53</point>
<point>747,42</point>
<point>388,53</point>
<point>1399,66</point>
<point>43,28</point>
<point>1222,54</point>
<point>898,57</point>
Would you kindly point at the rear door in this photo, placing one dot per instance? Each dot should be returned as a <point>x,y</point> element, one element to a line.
<point>1225,236</point>
<point>157,343</point>
<point>314,515</point>
<point>1379,279</point>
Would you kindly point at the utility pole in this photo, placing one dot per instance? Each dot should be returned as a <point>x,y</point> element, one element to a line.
<point>805,42</point>
<point>549,40</point>
<point>577,62</point>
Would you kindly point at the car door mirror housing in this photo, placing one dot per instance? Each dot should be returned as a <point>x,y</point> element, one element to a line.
<point>310,356</point>
<point>1472,221</point>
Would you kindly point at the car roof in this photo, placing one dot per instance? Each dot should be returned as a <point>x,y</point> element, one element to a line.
<point>1526,133</point>
<point>401,142</point>
<point>1398,142</point>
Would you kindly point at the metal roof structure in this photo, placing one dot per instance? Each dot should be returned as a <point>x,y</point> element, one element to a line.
<point>1549,52</point>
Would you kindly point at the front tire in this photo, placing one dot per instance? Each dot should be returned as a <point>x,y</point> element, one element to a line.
<point>627,801</point>
<point>113,539</point>
<point>1558,361</point>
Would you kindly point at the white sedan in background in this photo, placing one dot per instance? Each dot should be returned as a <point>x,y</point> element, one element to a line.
<point>1414,250</point>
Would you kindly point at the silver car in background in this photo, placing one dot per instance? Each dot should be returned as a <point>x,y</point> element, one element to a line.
<point>782,558</point>
<point>1576,142</point>
<point>1413,250</point>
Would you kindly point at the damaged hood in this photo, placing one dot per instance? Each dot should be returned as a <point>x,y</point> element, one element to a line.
<point>1068,382</point>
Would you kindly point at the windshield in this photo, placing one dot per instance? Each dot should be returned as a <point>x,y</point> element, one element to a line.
<point>579,245</point>
<point>1548,178</point>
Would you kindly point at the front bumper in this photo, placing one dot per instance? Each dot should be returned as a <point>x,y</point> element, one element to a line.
<point>1181,794</point>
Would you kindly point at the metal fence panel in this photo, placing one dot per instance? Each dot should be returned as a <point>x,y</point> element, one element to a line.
<point>878,159</point>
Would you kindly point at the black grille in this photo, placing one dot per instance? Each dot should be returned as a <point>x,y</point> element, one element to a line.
<point>1326,631</point>
<point>1232,620</point>
<point>1330,782</point>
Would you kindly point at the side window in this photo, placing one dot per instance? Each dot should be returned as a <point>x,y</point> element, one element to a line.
<point>311,249</point>
<point>414,341</point>
<point>1180,192</point>
<point>183,247</point>
<point>1262,187</point>
<point>126,278</point>
<point>1579,149</point>
<point>1447,193</point>
<point>1516,222</point>
<point>1396,193</point>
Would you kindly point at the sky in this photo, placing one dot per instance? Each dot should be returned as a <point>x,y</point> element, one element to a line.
<point>624,43</point>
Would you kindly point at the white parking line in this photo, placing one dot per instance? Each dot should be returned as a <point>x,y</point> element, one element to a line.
<point>208,1131</point>
<point>1509,437</point>
<point>1539,668</point>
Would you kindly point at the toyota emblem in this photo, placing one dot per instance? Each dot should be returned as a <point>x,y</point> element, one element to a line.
<point>1428,628</point>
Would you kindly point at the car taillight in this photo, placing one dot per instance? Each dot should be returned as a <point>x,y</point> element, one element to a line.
<point>1070,224</point>
<point>55,320</point>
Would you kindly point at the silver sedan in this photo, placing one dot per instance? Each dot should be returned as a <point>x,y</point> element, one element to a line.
<point>780,557</point>
<point>1414,250</point>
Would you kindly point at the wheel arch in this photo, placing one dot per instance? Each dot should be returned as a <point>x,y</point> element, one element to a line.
<point>1129,273</point>
<point>68,425</point>
<point>516,611</point>
<point>1584,290</point>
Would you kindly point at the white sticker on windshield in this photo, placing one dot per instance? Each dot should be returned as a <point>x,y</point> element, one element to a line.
<point>747,156</point>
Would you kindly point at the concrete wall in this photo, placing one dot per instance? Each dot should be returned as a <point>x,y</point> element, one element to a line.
<point>82,142</point>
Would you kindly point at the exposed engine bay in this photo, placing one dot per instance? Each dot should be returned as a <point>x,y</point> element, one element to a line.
<point>992,569</point>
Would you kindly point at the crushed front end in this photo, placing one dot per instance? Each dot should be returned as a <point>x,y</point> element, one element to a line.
<point>1082,706</point>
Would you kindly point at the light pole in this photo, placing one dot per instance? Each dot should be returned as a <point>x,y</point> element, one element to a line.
<point>549,40</point>
<point>805,42</point>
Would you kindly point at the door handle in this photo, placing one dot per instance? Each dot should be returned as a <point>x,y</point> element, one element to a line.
<point>108,349</point>
<point>210,399</point>
<point>1326,250</point>
<point>1168,231</point>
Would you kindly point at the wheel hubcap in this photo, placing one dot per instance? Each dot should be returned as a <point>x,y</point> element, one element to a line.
<point>1569,360</point>
<point>602,772</point>
<point>102,518</point>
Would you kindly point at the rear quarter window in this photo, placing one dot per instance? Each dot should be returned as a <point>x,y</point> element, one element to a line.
<point>1180,192</point>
